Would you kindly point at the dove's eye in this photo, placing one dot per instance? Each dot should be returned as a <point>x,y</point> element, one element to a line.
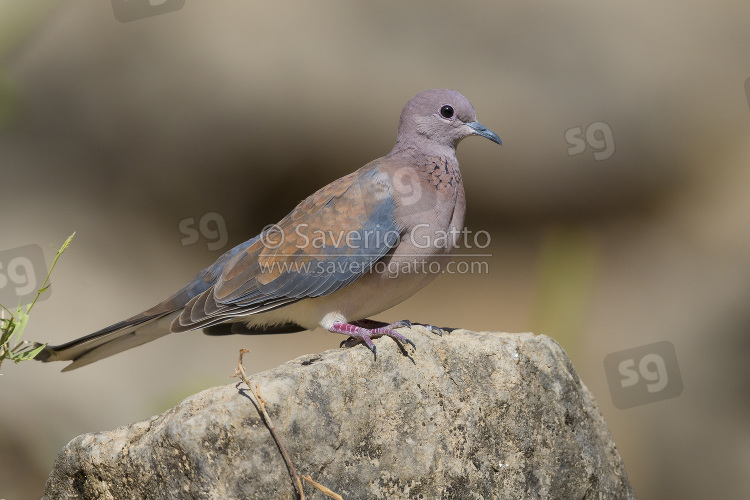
<point>446,111</point>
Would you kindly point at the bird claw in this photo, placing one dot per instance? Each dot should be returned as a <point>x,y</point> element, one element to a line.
<point>435,329</point>
<point>360,335</point>
<point>400,324</point>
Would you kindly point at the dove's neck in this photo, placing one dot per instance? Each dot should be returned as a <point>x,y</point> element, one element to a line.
<point>418,152</point>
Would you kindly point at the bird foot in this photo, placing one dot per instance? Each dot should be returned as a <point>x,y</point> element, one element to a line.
<point>359,334</point>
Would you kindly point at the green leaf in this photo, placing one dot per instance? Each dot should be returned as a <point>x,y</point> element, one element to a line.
<point>21,320</point>
<point>28,352</point>
<point>32,354</point>
<point>12,327</point>
<point>7,332</point>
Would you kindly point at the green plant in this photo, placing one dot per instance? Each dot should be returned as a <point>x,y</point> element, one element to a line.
<point>11,328</point>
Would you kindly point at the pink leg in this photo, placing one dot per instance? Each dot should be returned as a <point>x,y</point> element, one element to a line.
<point>371,323</point>
<point>359,334</point>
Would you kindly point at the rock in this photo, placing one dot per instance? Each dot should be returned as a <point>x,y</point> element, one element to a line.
<point>466,416</point>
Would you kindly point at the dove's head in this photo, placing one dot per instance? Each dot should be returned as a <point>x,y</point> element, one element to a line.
<point>439,118</point>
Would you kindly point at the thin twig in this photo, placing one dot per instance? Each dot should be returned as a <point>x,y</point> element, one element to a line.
<point>260,403</point>
<point>46,284</point>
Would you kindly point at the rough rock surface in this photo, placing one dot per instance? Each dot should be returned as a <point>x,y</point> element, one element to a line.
<point>467,416</point>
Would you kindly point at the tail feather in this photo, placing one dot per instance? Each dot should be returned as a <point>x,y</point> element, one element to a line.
<point>109,341</point>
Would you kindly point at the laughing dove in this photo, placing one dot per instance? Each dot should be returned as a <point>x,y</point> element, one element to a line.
<point>354,248</point>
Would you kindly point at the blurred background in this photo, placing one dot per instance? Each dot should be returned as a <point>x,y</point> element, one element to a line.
<point>618,205</point>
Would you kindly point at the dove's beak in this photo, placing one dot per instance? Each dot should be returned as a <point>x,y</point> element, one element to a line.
<point>480,129</point>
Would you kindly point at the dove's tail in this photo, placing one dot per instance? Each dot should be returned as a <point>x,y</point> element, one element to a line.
<point>108,341</point>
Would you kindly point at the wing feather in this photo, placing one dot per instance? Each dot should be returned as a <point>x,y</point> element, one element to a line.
<point>328,241</point>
